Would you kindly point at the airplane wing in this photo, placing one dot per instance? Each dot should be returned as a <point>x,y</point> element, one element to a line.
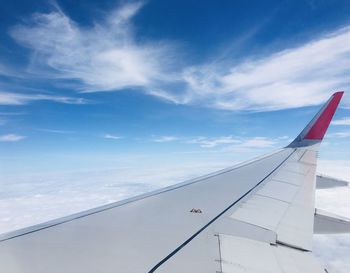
<point>257,216</point>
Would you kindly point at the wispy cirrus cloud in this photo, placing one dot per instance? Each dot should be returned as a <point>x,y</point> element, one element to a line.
<point>228,143</point>
<point>210,142</point>
<point>102,57</point>
<point>55,131</point>
<point>11,138</point>
<point>165,139</point>
<point>5,117</point>
<point>257,142</point>
<point>110,136</point>
<point>342,134</point>
<point>225,142</point>
<point>108,57</point>
<point>10,98</point>
<point>294,77</point>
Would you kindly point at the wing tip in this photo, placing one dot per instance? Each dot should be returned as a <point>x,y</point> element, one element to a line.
<point>316,129</point>
<point>338,93</point>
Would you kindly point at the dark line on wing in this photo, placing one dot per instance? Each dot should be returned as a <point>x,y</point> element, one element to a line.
<point>291,246</point>
<point>220,256</point>
<point>214,219</point>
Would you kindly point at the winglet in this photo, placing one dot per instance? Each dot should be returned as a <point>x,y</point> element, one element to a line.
<point>316,129</point>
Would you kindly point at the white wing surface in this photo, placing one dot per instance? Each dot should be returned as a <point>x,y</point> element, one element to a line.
<point>254,217</point>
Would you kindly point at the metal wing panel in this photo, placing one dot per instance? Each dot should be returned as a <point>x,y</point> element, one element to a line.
<point>327,182</point>
<point>241,255</point>
<point>329,223</point>
<point>261,211</point>
<point>145,230</point>
<point>248,256</point>
<point>296,227</point>
<point>279,191</point>
<point>284,204</point>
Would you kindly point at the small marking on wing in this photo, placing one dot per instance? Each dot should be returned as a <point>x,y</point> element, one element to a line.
<point>196,210</point>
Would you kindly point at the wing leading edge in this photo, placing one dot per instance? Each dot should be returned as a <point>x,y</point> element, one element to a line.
<point>261,209</point>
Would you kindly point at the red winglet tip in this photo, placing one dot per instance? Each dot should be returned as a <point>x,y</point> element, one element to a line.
<point>319,128</point>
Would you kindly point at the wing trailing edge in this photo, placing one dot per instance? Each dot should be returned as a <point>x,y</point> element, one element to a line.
<point>329,223</point>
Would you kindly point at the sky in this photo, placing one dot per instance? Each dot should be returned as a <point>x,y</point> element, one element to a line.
<point>103,100</point>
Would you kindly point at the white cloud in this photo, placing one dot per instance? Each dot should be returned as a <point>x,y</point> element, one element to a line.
<point>55,131</point>
<point>295,77</point>
<point>336,168</point>
<point>110,136</point>
<point>334,250</point>
<point>102,57</point>
<point>5,117</point>
<point>8,98</point>
<point>343,121</point>
<point>343,134</point>
<point>257,142</point>
<point>251,144</point>
<point>207,142</point>
<point>107,57</point>
<point>11,138</point>
<point>230,142</point>
<point>165,139</point>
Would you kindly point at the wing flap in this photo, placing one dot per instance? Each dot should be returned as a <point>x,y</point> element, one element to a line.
<point>237,254</point>
<point>278,190</point>
<point>285,203</point>
<point>327,182</point>
<point>261,211</point>
<point>329,223</point>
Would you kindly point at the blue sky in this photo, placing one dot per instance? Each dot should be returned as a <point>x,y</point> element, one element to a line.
<point>160,77</point>
<point>153,92</point>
